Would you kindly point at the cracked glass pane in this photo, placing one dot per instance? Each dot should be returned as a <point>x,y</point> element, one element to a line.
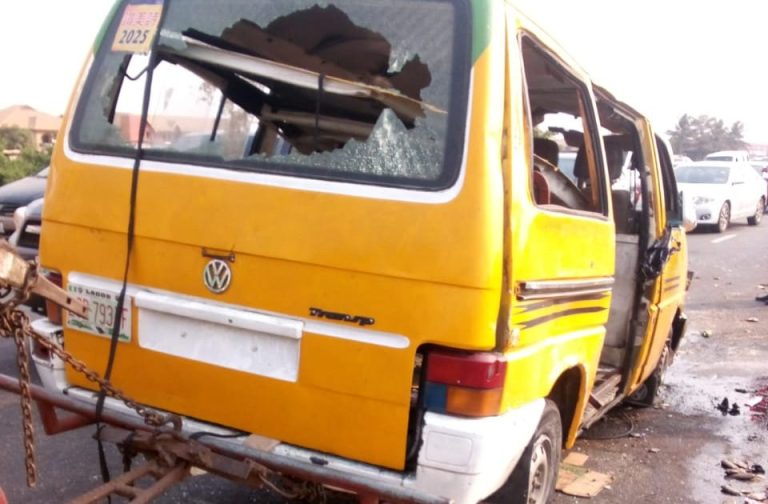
<point>348,90</point>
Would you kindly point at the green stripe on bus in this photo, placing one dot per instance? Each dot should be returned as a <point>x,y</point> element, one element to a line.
<point>105,26</point>
<point>481,27</point>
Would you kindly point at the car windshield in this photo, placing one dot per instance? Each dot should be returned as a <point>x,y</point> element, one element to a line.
<point>702,174</point>
<point>370,91</point>
<point>719,158</point>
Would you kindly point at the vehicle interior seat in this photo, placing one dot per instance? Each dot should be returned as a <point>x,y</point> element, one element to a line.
<point>547,149</point>
<point>541,193</point>
<point>544,150</point>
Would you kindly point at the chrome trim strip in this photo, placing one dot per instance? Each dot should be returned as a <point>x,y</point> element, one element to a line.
<point>552,289</point>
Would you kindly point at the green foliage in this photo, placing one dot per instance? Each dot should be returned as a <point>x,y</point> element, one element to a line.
<point>696,137</point>
<point>28,163</point>
<point>13,137</point>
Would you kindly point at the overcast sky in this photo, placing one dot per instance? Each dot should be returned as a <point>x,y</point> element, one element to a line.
<point>664,57</point>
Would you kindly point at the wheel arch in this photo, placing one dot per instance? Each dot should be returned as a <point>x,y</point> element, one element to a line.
<point>569,393</point>
<point>679,324</point>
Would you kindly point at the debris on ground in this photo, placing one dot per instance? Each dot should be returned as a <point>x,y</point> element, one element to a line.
<point>727,490</point>
<point>706,333</point>
<point>759,409</point>
<point>753,319</point>
<point>653,450</point>
<point>723,406</point>
<point>576,459</point>
<point>743,472</point>
<point>576,480</point>
<point>728,408</point>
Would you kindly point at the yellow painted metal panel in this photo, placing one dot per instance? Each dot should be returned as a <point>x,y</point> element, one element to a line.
<point>429,272</point>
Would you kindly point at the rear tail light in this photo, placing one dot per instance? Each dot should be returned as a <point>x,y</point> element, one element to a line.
<point>52,310</point>
<point>462,383</point>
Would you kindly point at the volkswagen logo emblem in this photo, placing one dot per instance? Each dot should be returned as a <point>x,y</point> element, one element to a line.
<point>217,276</point>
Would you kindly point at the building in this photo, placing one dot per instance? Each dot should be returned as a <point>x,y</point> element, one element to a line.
<point>43,126</point>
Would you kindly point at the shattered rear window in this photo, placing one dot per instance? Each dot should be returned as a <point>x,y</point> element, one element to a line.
<point>358,91</point>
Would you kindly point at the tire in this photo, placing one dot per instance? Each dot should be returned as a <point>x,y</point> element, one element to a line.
<point>533,479</point>
<point>755,219</point>
<point>646,394</point>
<point>724,217</point>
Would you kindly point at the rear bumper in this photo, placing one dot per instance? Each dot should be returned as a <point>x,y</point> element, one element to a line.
<point>460,459</point>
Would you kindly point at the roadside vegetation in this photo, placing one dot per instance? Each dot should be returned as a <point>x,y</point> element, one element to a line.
<point>696,137</point>
<point>28,161</point>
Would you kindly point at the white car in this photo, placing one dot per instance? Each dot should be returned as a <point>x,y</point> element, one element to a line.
<point>734,156</point>
<point>723,191</point>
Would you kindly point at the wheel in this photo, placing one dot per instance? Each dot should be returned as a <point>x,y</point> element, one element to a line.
<point>724,218</point>
<point>645,395</point>
<point>755,219</point>
<point>533,479</point>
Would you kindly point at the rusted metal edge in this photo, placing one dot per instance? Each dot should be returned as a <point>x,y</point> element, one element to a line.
<point>282,464</point>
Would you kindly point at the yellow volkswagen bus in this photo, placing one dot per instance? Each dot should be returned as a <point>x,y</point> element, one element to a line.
<point>407,239</point>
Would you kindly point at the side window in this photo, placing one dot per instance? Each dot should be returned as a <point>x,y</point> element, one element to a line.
<point>567,174</point>
<point>671,198</point>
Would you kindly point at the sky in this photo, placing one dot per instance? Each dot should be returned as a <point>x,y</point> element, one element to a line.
<point>663,57</point>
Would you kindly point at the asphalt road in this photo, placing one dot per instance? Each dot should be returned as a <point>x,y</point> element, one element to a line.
<point>672,454</point>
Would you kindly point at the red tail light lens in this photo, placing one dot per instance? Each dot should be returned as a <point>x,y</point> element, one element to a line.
<point>463,383</point>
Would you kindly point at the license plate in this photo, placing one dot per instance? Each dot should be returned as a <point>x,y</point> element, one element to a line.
<point>102,308</point>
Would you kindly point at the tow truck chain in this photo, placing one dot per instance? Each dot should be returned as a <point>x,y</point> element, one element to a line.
<point>14,324</point>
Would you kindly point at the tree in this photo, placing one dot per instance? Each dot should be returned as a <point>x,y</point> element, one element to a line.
<point>13,137</point>
<point>28,163</point>
<point>696,137</point>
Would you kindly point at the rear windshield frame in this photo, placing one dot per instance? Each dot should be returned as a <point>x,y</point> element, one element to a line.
<point>453,151</point>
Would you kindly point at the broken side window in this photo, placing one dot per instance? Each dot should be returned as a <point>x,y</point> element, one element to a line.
<point>371,91</point>
<point>558,104</point>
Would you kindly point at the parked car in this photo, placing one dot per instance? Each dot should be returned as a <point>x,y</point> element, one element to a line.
<point>723,191</point>
<point>26,236</point>
<point>26,240</point>
<point>737,156</point>
<point>761,167</point>
<point>19,194</point>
